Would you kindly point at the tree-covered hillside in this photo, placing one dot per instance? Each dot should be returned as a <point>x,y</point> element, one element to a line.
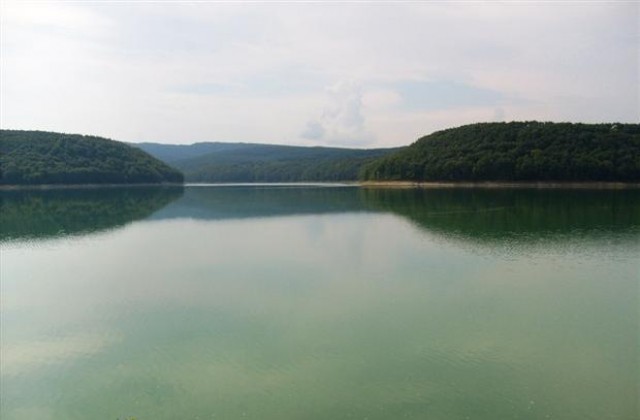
<point>252,162</point>
<point>38,157</point>
<point>170,153</point>
<point>517,151</point>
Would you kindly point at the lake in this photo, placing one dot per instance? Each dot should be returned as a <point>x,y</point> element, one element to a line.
<point>319,302</point>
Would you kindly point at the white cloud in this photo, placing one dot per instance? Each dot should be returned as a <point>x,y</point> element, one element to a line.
<point>53,15</point>
<point>342,122</point>
<point>314,131</point>
<point>258,72</point>
<point>381,99</point>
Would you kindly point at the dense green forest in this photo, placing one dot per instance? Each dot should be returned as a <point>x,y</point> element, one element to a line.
<point>38,157</point>
<point>252,162</point>
<point>517,151</point>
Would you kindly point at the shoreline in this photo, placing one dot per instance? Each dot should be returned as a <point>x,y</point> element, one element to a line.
<point>363,184</point>
<point>11,187</point>
<point>503,184</point>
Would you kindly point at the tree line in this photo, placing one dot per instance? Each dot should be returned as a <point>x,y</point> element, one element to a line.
<point>517,151</point>
<point>38,157</point>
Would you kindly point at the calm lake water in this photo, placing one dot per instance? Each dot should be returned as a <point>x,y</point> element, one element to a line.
<point>283,302</point>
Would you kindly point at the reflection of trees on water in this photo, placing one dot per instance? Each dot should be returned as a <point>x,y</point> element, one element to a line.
<point>493,215</point>
<point>485,215</point>
<point>60,212</point>
<point>239,202</point>
<point>476,215</point>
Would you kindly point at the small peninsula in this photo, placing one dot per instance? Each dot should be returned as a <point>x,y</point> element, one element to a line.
<point>39,157</point>
<point>518,152</point>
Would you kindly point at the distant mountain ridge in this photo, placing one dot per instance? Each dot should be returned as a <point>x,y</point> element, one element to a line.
<point>170,153</point>
<point>256,162</point>
<point>41,157</point>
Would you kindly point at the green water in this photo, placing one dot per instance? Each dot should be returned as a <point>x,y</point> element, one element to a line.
<point>277,302</point>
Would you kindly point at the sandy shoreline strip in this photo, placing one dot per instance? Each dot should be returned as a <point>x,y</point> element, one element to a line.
<point>504,185</point>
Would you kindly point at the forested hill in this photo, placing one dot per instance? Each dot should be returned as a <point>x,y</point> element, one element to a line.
<point>517,151</point>
<point>39,157</point>
<point>176,152</point>
<point>253,162</point>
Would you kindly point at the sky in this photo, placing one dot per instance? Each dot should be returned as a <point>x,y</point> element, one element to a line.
<point>348,74</point>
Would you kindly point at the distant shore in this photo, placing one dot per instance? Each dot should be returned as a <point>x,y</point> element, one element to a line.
<point>501,184</point>
<point>86,186</point>
<point>363,184</point>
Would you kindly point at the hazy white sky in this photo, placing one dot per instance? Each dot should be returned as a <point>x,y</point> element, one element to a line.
<point>345,74</point>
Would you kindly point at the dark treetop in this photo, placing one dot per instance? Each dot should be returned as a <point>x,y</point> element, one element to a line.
<point>517,151</point>
<point>38,157</point>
